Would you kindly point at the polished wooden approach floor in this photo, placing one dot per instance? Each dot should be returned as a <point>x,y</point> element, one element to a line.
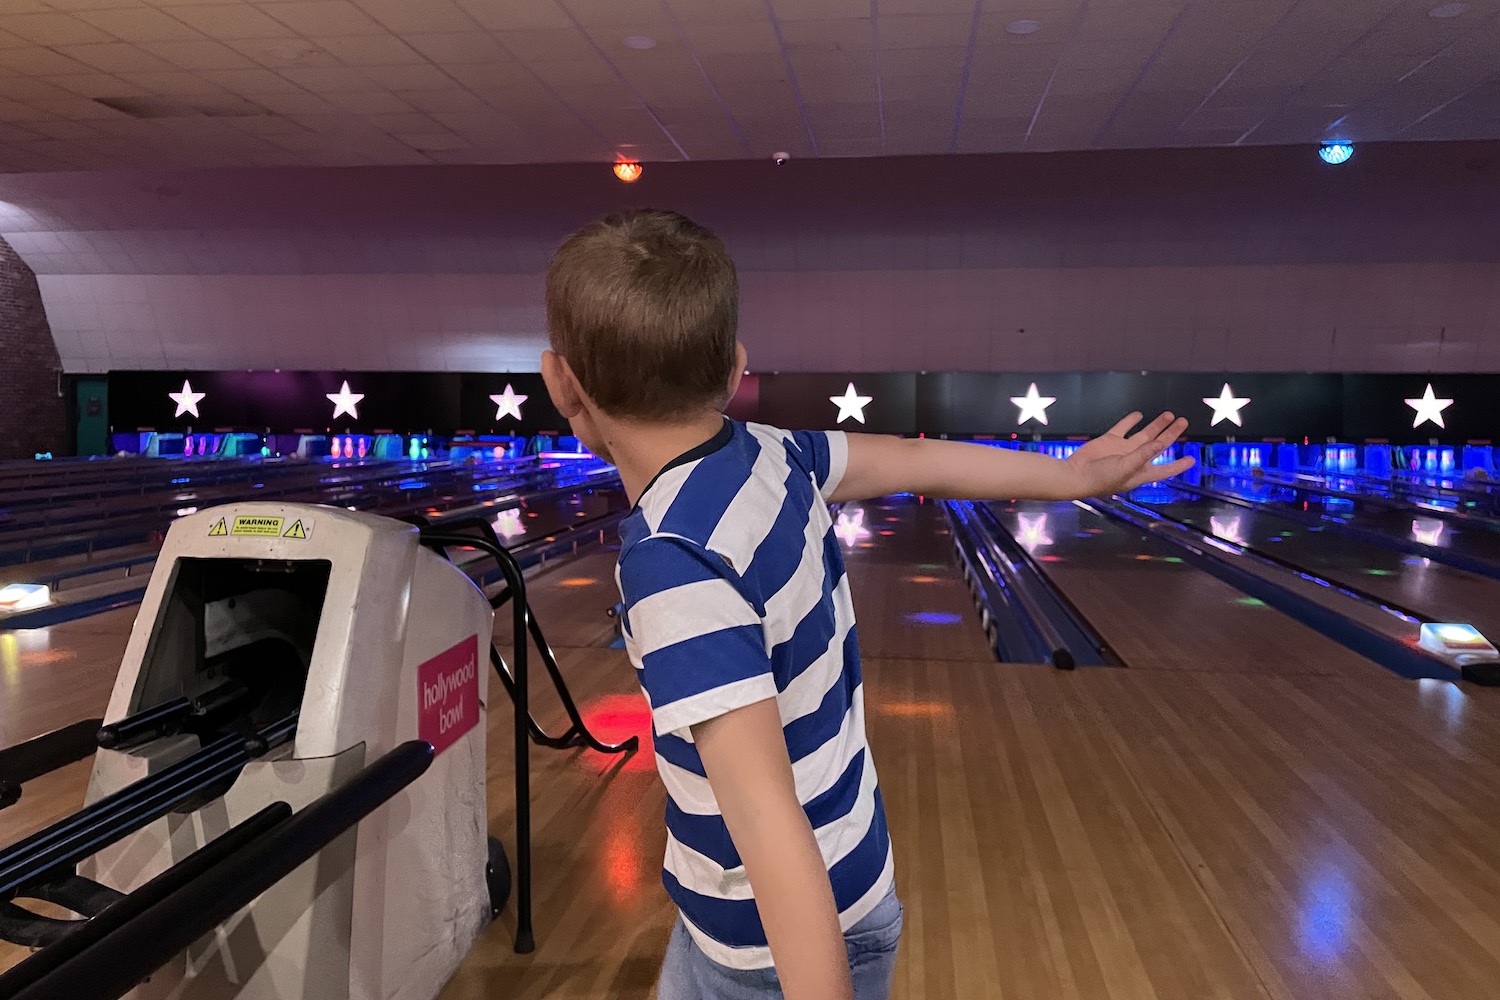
<point>1267,827</point>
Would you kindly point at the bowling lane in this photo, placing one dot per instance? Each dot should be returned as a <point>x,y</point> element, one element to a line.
<point>1433,588</point>
<point>1399,519</point>
<point>1158,612</point>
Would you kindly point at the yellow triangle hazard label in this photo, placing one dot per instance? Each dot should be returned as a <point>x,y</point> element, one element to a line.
<point>219,530</point>
<point>295,531</point>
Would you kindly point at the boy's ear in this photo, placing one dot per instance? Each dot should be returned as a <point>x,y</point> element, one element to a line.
<point>740,360</point>
<point>562,384</point>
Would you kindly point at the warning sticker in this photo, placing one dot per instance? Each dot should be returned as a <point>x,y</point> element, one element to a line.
<point>300,528</point>
<point>256,526</point>
<point>219,530</point>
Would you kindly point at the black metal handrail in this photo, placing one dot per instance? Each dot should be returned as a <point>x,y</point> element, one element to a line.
<point>42,755</point>
<point>125,956</point>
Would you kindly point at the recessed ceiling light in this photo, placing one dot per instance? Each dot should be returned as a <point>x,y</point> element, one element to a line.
<point>1026,26</point>
<point>1448,10</point>
<point>639,42</point>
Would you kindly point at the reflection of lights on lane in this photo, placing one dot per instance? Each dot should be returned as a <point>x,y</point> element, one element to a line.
<point>851,527</point>
<point>1227,527</point>
<point>1427,531</point>
<point>508,524</point>
<point>1325,915</point>
<point>1033,531</point>
<point>1448,696</point>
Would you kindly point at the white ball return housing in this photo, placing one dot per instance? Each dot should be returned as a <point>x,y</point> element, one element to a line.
<point>279,650</point>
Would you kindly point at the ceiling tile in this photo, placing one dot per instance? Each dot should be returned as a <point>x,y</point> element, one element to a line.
<point>367,102</point>
<point>250,81</point>
<point>138,24</point>
<point>52,29</point>
<point>322,80</point>
<point>37,61</point>
<point>515,15</point>
<point>419,16</point>
<point>231,20</point>
<point>116,57</point>
<point>418,76</point>
<point>93,85</point>
<point>458,48</point>
<point>203,53</point>
<point>371,50</point>
<point>323,18</point>
<point>924,31</point>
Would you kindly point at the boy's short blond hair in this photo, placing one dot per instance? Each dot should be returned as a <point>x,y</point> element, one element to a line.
<point>644,305</point>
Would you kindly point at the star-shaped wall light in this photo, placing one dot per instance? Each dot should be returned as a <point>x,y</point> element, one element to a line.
<point>508,403</point>
<point>187,400</point>
<point>345,401</point>
<point>1227,406</point>
<point>1033,405</point>
<point>851,404</point>
<point>1429,408</point>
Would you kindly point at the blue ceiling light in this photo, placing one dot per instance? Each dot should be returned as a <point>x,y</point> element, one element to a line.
<point>1336,152</point>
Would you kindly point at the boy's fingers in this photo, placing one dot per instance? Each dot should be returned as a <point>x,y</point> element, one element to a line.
<point>1122,428</point>
<point>1153,429</point>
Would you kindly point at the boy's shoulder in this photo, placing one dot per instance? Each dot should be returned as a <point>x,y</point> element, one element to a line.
<point>732,495</point>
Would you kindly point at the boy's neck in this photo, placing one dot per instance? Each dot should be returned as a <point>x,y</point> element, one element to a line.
<point>641,449</point>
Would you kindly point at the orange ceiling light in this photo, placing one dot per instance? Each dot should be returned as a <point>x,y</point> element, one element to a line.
<point>629,171</point>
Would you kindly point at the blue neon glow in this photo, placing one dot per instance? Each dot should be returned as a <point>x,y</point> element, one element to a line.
<point>933,618</point>
<point>1335,153</point>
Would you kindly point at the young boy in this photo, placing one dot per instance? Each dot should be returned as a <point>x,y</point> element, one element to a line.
<point>737,610</point>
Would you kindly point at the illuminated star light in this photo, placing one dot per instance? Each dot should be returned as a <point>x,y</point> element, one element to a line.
<point>851,404</point>
<point>1429,407</point>
<point>345,401</point>
<point>508,403</point>
<point>1033,406</point>
<point>1226,406</point>
<point>187,400</point>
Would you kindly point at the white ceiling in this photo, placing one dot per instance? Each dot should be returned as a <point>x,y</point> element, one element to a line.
<point>360,82</point>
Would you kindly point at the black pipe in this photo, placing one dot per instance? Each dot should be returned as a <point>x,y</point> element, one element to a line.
<point>153,723</point>
<point>123,958</point>
<point>90,932</point>
<point>116,816</point>
<point>43,754</point>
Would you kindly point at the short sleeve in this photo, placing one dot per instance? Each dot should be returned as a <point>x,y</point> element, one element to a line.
<point>825,454</point>
<point>697,641</point>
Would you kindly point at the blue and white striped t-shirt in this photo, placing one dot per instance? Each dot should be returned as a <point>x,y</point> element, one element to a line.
<point>735,592</point>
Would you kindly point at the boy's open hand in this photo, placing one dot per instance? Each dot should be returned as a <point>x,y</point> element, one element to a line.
<point>1119,461</point>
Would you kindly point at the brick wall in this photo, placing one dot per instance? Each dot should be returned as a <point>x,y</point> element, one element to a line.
<point>32,417</point>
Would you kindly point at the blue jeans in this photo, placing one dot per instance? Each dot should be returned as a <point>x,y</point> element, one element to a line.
<point>688,974</point>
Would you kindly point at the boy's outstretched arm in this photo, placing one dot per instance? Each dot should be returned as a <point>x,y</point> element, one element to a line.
<point>1116,461</point>
<point>745,756</point>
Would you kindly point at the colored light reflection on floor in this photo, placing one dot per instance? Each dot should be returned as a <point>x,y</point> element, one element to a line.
<point>914,709</point>
<point>578,581</point>
<point>933,618</point>
<point>1381,572</point>
<point>615,718</point>
<point>922,579</point>
<point>1325,916</point>
<point>1250,602</point>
